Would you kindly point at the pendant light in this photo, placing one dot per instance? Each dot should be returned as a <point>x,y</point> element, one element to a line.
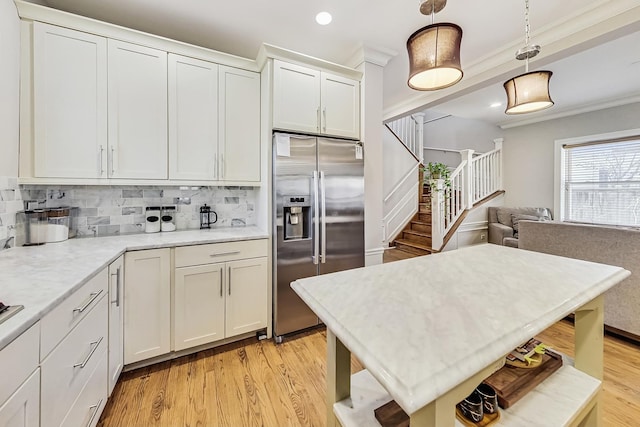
<point>528,92</point>
<point>434,52</point>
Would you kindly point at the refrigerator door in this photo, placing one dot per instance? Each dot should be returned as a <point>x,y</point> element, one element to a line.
<point>294,168</point>
<point>341,170</point>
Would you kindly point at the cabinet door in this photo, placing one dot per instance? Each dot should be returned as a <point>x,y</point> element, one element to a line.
<point>193,118</point>
<point>147,304</point>
<point>137,111</point>
<point>22,409</point>
<point>239,139</point>
<point>246,303</point>
<point>340,98</point>
<point>296,98</point>
<point>116,321</point>
<point>198,305</point>
<point>70,103</point>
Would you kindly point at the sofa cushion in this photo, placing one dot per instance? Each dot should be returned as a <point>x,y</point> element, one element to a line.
<point>504,214</point>
<point>510,242</point>
<point>516,218</point>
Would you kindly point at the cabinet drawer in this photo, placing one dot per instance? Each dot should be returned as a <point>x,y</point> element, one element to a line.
<point>66,370</point>
<point>220,252</point>
<point>57,324</point>
<point>18,360</point>
<point>91,401</point>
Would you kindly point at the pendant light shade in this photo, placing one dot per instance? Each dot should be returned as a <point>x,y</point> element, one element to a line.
<point>528,92</point>
<point>434,57</point>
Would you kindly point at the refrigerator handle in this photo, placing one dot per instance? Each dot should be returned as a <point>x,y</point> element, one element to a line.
<point>316,220</point>
<point>323,215</point>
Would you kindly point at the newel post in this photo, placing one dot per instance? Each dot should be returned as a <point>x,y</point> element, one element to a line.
<point>419,121</point>
<point>467,155</point>
<point>437,213</point>
<point>498,147</point>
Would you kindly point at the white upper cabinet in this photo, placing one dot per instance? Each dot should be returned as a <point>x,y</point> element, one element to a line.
<point>70,103</point>
<point>296,98</point>
<point>239,137</point>
<point>312,101</point>
<point>340,106</point>
<point>137,109</point>
<point>193,119</point>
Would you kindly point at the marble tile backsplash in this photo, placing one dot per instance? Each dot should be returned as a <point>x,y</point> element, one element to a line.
<point>105,211</point>
<point>10,203</point>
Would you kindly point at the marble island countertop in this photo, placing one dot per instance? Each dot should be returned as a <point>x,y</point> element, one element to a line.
<point>40,277</point>
<point>422,326</point>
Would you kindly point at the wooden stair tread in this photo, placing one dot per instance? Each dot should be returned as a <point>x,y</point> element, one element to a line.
<point>413,244</point>
<point>417,233</point>
<point>416,221</point>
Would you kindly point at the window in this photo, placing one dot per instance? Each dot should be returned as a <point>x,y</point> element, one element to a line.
<point>600,179</point>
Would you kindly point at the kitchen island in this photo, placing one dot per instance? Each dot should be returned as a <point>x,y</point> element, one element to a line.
<point>430,329</point>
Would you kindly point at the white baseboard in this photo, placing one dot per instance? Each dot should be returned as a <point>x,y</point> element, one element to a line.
<point>373,256</point>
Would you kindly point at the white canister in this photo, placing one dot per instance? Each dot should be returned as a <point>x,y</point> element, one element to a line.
<point>152,219</point>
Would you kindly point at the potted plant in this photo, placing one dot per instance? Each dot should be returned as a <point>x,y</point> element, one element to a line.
<point>437,171</point>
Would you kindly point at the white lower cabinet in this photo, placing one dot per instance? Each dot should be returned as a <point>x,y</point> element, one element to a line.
<point>20,390</point>
<point>68,368</point>
<point>22,409</point>
<point>116,321</point>
<point>198,305</point>
<point>246,299</point>
<point>219,300</point>
<point>147,304</point>
<point>91,401</point>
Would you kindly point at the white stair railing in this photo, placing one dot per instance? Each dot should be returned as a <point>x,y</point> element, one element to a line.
<point>409,130</point>
<point>473,180</point>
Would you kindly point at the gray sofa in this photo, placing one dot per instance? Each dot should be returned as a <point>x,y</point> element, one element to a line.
<point>607,245</point>
<point>504,223</point>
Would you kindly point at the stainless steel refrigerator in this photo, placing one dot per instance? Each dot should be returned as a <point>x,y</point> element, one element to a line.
<point>318,203</point>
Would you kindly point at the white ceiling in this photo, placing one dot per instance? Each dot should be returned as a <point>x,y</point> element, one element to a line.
<point>490,26</point>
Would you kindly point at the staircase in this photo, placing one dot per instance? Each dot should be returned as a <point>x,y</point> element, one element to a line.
<point>415,238</point>
<point>477,178</point>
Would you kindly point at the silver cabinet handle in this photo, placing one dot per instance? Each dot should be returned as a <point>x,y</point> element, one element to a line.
<point>95,412</point>
<point>324,122</point>
<point>221,281</point>
<point>215,165</point>
<point>316,226</point>
<point>113,160</point>
<point>92,298</point>
<point>224,253</point>
<point>318,118</point>
<point>101,168</point>
<point>222,166</point>
<point>95,346</point>
<point>229,280</point>
<point>323,214</point>
<point>117,300</point>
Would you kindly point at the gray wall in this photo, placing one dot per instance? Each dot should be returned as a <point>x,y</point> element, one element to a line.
<point>529,151</point>
<point>456,133</point>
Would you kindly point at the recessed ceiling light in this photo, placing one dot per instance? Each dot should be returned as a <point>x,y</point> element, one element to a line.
<point>495,105</point>
<point>323,18</point>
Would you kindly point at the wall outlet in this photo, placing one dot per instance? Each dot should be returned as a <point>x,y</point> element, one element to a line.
<point>483,236</point>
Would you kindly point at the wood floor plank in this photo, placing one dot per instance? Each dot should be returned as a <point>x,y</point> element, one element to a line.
<point>253,383</point>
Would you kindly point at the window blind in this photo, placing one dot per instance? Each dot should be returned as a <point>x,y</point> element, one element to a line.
<point>602,182</point>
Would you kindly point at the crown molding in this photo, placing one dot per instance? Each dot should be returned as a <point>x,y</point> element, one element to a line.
<point>618,102</point>
<point>379,56</point>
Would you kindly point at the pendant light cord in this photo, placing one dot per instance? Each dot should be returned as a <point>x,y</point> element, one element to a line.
<point>527,29</point>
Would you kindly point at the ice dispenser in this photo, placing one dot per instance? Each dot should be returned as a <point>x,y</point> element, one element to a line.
<point>297,217</point>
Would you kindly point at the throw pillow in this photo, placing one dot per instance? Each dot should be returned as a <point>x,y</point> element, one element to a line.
<point>516,218</point>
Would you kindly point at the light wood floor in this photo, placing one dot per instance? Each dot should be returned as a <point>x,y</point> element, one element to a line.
<point>259,383</point>
<point>253,383</point>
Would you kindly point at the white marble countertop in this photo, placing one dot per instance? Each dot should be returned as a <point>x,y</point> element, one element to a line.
<point>424,325</point>
<point>40,277</point>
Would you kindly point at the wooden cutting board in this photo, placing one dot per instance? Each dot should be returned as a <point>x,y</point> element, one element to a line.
<point>512,384</point>
<point>391,415</point>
